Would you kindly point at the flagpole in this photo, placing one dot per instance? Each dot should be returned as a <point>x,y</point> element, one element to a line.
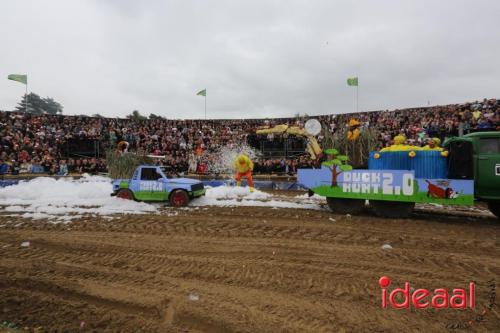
<point>357,98</point>
<point>205,104</point>
<point>26,99</point>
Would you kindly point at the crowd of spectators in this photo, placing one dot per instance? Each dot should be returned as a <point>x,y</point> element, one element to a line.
<point>420,124</point>
<point>35,143</point>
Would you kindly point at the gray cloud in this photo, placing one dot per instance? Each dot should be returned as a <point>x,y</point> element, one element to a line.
<point>256,59</point>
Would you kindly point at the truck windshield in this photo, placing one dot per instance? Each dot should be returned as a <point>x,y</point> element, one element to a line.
<point>169,171</point>
<point>149,174</point>
<point>489,146</point>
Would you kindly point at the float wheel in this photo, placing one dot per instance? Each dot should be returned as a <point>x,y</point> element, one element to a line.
<point>392,209</point>
<point>346,206</point>
<point>126,194</point>
<point>179,198</point>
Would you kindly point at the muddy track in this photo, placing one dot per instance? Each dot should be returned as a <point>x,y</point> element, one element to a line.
<point>246,269</point>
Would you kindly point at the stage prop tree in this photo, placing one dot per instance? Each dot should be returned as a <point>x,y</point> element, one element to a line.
<point>337,164</point>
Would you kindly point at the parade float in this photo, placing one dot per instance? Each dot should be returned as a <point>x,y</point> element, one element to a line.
<point>465,170</point>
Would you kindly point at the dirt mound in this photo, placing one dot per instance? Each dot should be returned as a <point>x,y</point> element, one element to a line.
<point>243,269</point>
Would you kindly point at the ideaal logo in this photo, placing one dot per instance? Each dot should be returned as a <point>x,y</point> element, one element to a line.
<point>440,298</point>
<point>459,298</point>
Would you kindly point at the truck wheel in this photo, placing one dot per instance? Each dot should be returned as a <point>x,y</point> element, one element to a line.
<point>179,198</point>
<point>346,206</point>
<point>494,207</point>
<point>392,209</point>
<point>125,194</point>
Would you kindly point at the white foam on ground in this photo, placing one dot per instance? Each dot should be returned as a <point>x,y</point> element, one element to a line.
<point>236,192</point>
<point>65,199</point>
<point>61,200</point>
<point>227,196</point>
<point>312,197</point>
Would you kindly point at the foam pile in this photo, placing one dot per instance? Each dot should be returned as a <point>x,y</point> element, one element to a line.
<point>66,199</point>
<point>227,196</point>
<point>61,200</point>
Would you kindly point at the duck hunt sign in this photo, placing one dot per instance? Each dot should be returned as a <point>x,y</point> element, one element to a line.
<point>390,185</point>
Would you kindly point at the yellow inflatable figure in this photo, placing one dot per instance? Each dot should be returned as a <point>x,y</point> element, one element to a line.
<point>244,167</point>
<point>399,145</point>
<point>353,133</point>
<point>433,144</point>
<point>399,139</point>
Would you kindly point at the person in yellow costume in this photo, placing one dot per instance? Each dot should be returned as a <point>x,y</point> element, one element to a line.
<point>433,144</point>
<point>353,133</point>
<point>244,167</point>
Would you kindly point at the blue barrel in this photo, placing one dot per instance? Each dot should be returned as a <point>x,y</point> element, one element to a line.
<point>426,164</point>
<point>390,160</point>
<point>429,164</point>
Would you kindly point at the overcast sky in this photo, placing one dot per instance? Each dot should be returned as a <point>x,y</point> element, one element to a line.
<point>255,58</point>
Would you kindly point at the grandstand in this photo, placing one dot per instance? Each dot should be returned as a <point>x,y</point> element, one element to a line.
<point>60,145</point>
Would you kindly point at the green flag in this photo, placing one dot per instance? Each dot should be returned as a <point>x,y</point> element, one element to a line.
<point>23,78</point>
<point>352,81</point>
<point>202,92</point>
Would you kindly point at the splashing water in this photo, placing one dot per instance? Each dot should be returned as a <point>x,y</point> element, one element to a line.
<point>221,161</point>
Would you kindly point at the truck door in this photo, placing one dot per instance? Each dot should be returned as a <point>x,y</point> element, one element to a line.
<point>460,161</point>
<point>149,187</point>
<point>488,168</point>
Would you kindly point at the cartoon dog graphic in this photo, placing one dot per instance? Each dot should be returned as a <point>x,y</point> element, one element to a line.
<point>434,191</point>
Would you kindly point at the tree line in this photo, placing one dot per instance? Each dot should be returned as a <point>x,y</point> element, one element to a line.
<point>32,103</point>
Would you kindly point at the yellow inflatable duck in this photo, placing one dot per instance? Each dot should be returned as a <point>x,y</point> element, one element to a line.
<point>399,145</point>
<point>433,144</point>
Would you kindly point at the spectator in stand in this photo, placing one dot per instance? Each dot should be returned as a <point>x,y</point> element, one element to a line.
<point>85,167</point>
<point>78,166</point>
<point>193,164</point>
<point>202,168</point>
<point>36,166</point>
<point>63,168</point>
<point>92,166</point>
<point>26,167</point>
<point>4,168</point>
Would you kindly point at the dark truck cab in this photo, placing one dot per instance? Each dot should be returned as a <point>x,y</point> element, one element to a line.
<point>477,156</point>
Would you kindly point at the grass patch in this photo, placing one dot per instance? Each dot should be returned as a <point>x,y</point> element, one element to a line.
<point>420,197</point>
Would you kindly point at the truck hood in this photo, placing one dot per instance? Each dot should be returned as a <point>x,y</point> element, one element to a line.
<point>183,181</point>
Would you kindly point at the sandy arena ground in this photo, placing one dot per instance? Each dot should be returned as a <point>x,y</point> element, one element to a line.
<point>242,269</point>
